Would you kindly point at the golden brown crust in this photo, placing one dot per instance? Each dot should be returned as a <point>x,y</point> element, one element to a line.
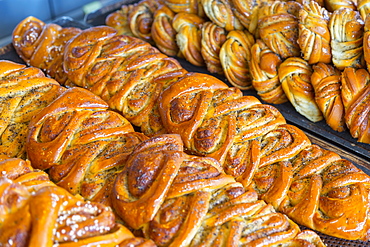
<point>119,20</point>
<point>235,56</point>
<point>246,12</point>
<point>213,37</point>
<point>220,13</point>
<point>163,34</point>
<point>81,143</point>
<point>356,101</point>
<point>346,29</point>
<point>333,5</point>
<point>314,36</point>
<point>326,82</point>
<point>363,6</point>
<point>264,66</point>
<point>188,37</point>
<point>366,43</point>
<point>125,71</point>
<point>195,201</point>
<point>42,45</point>
<point>186,6</point>
<point>278,27</point>
<point>295,76</point>
<point>24,91</point>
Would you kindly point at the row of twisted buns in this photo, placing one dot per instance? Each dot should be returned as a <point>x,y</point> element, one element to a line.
<point>151,184</point>
<point>276,47</point>
<point>251,140</point>
<point>36,212</point>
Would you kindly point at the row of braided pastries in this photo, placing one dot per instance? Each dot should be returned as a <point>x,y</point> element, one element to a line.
<point>251,140</point>
<point>301,51</point>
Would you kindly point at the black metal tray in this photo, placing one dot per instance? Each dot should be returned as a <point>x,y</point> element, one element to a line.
<point>318,133</point>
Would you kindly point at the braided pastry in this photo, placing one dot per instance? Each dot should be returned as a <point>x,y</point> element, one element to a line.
<point>23,93</point>
<point>188,37</point>
<point>81,143</point>
<point>140,19</point>
<point>246,12</point>
<point>163,34</point>
<point>51,216</point>
<point>256,147</point>
<point>314,36</point>
<point>356,101</point>
<point>42,45</point>
<point>183,200</point>
<point>264,66</point>
<point>119,20</point>
<point>366,43</point>
<point>346,29</point>
<point>213,37</point>
<point>295,76</point>
<point>363,6</point>
<point>221,14</point>
<point>186,6</point>
<point>235,56</point>
<point>325,80</point>
<point>333,5</point>
<point>126,72</point>
<point>278,27</point>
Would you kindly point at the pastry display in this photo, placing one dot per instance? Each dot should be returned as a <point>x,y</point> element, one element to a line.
<point>24,91</point>
<point>211,166</point>
<point>184,200</point>
<point>255,145</point>
<point>330,32</point>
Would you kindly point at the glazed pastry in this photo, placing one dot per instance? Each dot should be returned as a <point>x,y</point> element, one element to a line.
<point>119,20</point>
<point>140,19</point>
<point>278,27</point>
<point>20,171</point>
<point>51,216</point>
<point>295,77</point>
<point>366,43</point>
<point>126,72</point>
<point>326,82</point>
<point>184,200</point>
<point>24,91</point>
<point>189,35</point>
<point>313,186</point>
<point>246,12</point>
<point>235,56</point>
<point>221,14</point>
<point>333,5</point>
<point>81,144</point>
<point>346,29</point>
<point>45,48</point>
<point>213,37</point>
<point>314,36</point>
<point>163,34</point>
<point>186,6</point>
<point>356,101</point>
<point>363,6</point>
<point>264,71</point>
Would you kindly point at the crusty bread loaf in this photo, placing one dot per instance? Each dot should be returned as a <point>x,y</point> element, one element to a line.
<point>23,93</point>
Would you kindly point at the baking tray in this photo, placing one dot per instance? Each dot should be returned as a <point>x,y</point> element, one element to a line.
<point>362,161</point>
